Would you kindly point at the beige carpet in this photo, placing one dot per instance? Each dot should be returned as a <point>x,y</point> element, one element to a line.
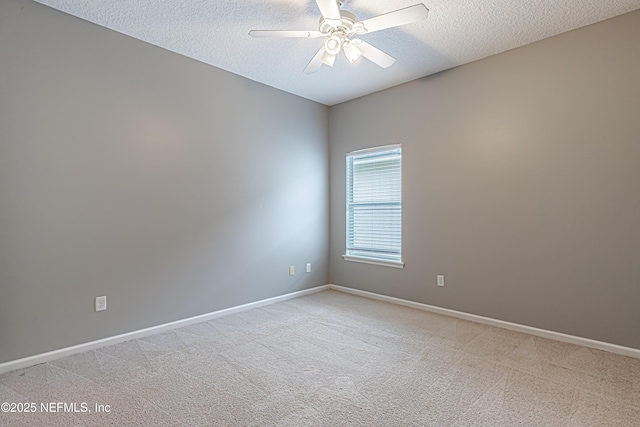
<point>332,359</point>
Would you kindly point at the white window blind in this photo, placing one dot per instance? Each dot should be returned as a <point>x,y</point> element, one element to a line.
<point>374,204</point>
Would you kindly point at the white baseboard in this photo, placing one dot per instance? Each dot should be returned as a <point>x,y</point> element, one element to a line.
<point>92,345</point>
<point>600,345</point>
<point>68,351</point>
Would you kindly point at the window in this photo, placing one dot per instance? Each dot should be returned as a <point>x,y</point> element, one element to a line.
<point>374,206</point>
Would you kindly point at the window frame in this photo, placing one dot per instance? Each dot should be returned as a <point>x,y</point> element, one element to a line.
<point>349,180</point>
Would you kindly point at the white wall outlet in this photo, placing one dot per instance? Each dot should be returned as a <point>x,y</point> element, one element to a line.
<point>308,267</point>
<point>292,270</point>
<point>101,303</point>
<point>440,280</point>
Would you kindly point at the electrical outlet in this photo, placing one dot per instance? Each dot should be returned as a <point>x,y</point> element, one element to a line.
<point>308,267</point>
<point>101,303</point>
<point>440,280</point>
<point>292,270</point>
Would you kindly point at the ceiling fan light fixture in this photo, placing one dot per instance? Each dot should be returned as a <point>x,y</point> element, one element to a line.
<point>351,51</point>
<point>333,45</point>
<point>328,59</point>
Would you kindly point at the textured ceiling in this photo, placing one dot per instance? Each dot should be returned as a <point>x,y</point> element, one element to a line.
<point>456,32</point>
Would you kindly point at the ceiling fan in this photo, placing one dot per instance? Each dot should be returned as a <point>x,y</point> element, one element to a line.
<point>339,26</point>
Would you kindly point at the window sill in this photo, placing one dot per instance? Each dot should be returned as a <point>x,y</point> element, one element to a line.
<point>384,263</point>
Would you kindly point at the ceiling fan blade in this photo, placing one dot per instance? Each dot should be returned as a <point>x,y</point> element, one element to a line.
<point>408,15</point>
<point>285,33</point>
<point>374,54</point>
<point>329,9</point>
<point>315,62</point>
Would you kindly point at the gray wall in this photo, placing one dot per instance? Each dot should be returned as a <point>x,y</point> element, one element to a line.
<point>177,189</point>
<point>521,184</point>
<point>170,186</point>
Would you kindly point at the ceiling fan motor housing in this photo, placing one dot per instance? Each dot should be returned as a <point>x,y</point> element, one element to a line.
<point>345,25</point>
